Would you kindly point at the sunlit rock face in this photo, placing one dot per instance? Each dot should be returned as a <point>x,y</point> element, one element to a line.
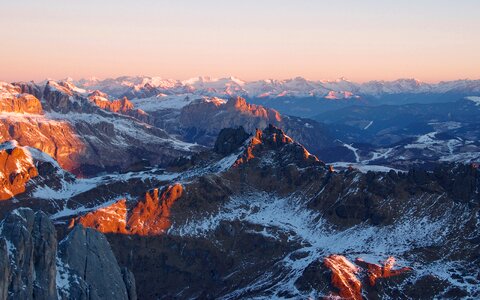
<point>56,138</point>
<point>150,216</point>
<point>14,100</point>
<point>121,106</point>
<point>347,277</point>
<point>23,103</point>
<point>375,271</point>
<point>23,120</point>
<point>274,139</point>
<point>215,114</point>
<point>344,277</point>
<point>16,169</point>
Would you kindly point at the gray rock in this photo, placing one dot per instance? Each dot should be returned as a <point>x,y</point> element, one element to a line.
<point>129,280</point>
<point>83,268</point>
<point>44,257</point>
<point>230,139</point>
<point>89,257</point>
<point>4,269</point>
<point>30,241</point>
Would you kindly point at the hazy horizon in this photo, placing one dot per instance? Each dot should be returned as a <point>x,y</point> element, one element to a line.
<point>368,40</point>
<point>66,78</point>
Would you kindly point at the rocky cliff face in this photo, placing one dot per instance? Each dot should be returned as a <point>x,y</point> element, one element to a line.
<point>84,266</point>
<point>12,100</point>
<point>31,247</point>
<point>89,269</point>
<point>150,216</point>
<point>16,99</point>
<point>56,138</point>
<point>16,169</point>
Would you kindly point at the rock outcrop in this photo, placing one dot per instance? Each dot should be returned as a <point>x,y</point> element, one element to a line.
<point>14,100</point>
<point>121,106</point>
<point>16,169</point>
<point>375,271</point>
<point>56,138</point>
<point>62,97</point>
<point>150,216</point>
<point>23,103</point>
<point>347,278</point>
<point>84,267</point>
<point>344,277</point>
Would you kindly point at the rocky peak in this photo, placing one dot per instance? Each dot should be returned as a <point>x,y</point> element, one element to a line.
<point>61,87</point>
<point>16,169</point>
<point>64,97</point>
<point>29,88</point>
<point>121,106</point>
<point>97,93</point>
<point>237,103</point>
<point>202,120</point>
<point>274,139</point>
<point>214,114</point>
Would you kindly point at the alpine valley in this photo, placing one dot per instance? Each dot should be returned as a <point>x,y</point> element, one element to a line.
<point>150,188</point>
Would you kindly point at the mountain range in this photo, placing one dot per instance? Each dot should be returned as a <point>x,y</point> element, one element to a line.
<point>140,187</point>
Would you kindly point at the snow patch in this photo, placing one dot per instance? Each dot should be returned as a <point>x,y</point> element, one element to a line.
<point>474,99</point>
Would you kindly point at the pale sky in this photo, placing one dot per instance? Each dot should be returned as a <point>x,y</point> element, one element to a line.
<point>361,40</point>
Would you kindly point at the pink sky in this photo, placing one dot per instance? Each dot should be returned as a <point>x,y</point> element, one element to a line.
<point>429,40</point>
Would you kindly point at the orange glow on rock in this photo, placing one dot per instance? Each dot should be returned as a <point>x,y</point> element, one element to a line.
<point>109,219</point>
<point>56,138</point>
<point>240,105</point>
<point>148,217</point>
<point>375,271</point>
<point>16,169</point>
<point>248,154</point>
<point>344,277</point>
<point>152,217</point>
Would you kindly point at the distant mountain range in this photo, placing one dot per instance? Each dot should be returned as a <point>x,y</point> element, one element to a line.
<point>270,88</point>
